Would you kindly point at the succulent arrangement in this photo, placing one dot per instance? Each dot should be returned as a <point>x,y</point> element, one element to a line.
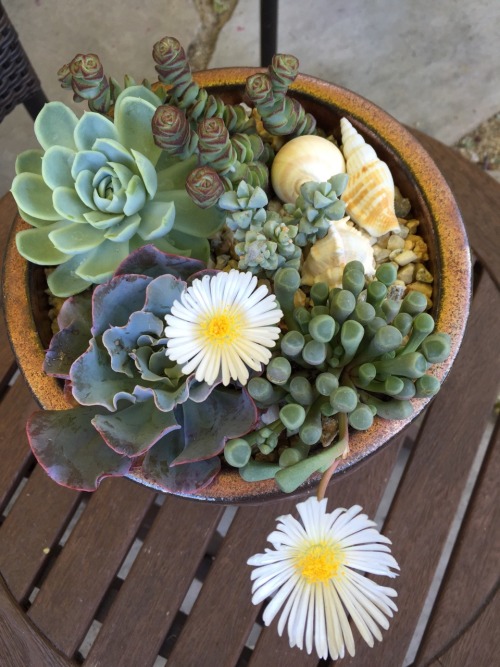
<point>224,305</point>
<point>234,288</point>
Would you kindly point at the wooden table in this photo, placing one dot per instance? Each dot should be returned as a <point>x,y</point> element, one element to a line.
<point>64,598</point>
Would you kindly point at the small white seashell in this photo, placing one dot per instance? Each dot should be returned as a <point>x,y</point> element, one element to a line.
<point>328,256</point>
<point>369,195</point>
<point>301,160</point>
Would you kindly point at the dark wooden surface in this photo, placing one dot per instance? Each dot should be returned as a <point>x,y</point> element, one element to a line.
<point>66,597</point>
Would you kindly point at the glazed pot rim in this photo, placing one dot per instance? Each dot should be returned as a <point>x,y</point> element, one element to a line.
<point>452,253</point>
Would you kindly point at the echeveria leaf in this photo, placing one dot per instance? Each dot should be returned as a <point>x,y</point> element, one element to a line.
<point>147,172</point>
<point>193,220</point>
<point>74,321</point>
<point>174,176</point>
<point>56,166</point>
<point>76,235</point>
<point>64,282</point>
<point>133,118</point>
<point>138,92</point>
<point>121,341</point>
<point>99,264</point>
<point>68,204</point>
<point>88,161</point>
<point>29,161</point>
<point>103,220</point>
<point>34,196</point>
<point>71,451</point>
<point>124,230</point>
<point>114,152</point>
<point>92,126</point>
<point>35,222</point>
<point>135,429</point>
<point>184,478</point>
<point>185,244</point>
<point>135,194</point>
<point>55,125</point>
<point>95,383</point>
<point>161,294</point>
<point>114,301</point>
<point>84,189</point>
<point>224,414</point>
<point>36,246</point>
<point>150,261</point>
<point>157,220</point>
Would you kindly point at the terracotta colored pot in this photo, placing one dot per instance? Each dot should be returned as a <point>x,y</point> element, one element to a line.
<point>418,179</point>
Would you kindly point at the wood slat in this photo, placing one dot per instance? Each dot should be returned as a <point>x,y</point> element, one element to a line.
<point>427,499</point>
<point>222,616</point>
<point>15,454</point>
<point>479,645</point>
<point>365,486</point>
<point>474,568</point>
<point>156,585</point>
<point>20,643</point>
<point>8,211</point>
<point>480,213</point>
<point>80,577</point>
<point>25,539</point>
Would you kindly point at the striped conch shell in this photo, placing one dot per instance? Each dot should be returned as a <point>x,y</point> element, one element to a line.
<point>328,256</point>
<point>301,160</point>
<point>369,195</point>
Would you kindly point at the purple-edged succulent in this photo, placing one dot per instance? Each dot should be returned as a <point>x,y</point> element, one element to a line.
<point>135,406</point>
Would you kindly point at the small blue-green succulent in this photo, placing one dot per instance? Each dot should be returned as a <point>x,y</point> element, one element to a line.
<point>99,189</point>
<point>136,409</point>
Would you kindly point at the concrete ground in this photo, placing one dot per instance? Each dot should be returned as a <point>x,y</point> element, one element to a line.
<point>432,65</point>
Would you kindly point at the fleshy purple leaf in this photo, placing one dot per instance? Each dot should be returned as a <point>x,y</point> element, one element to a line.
<point>96,383</point>
<point>161,294</point>
<point>121,341</point>
<point>184,478</point>
<point>72,340</point>
<point>150,261</point>
<point>135,429</point>
<point>71,451</point>
<point>223,415</point>
<point>114,301</point>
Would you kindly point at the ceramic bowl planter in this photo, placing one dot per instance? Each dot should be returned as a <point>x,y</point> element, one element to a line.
<point>418,179</point>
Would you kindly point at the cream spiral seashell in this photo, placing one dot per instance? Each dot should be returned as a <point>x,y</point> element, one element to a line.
<point>301,160</point>
<point>328,256</point>
<point>369,195</point>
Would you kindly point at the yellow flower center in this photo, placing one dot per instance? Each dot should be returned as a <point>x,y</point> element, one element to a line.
<point>222,328</point>
<point>320,562</point>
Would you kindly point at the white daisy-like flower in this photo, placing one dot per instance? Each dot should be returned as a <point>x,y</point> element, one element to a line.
<point>312,572</point>
<point>222,324</point>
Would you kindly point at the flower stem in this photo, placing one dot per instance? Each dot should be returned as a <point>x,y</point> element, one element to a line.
<point>343,437</point>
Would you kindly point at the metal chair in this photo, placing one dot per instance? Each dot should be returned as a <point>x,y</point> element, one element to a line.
<point>18,82</point>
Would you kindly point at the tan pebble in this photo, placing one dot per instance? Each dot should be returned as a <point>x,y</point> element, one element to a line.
<point>425,288</point>
<point>412,225</point>
<point>406,257</point>
<point>395,242</point>
<point>422,274</point>
<point>380,254</point>
<point>394,253</point>
<point>407,273</point>
<point>409,245</point>
<point>382,240</point>
<point>299,299</point>
<point>403,230</point>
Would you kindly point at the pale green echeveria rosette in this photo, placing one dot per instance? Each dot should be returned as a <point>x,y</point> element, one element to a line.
<point>94,194</point>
